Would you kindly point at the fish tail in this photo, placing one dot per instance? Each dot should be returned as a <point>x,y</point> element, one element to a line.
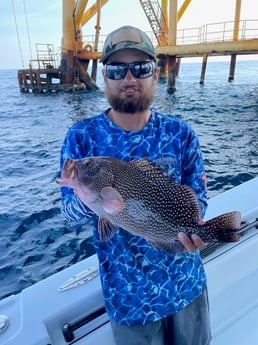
<point>225,228</point>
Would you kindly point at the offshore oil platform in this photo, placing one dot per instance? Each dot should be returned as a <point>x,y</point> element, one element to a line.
<point>77,69</point>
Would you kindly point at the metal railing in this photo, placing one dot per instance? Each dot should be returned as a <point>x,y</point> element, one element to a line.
<point>218,32</point>
<point>47,58</point>
<point>214,32</point>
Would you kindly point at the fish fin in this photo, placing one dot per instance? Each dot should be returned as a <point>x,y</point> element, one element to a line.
<point>112,200</point>
<point>149,169</point>
<point>142,162</point>
<point>106,229</point>
<point>225,227</point>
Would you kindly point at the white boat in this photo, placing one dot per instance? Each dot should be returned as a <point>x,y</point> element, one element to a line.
<point>67,308</point>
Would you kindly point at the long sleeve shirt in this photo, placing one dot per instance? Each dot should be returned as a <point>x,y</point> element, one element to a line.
<point>140,283</point>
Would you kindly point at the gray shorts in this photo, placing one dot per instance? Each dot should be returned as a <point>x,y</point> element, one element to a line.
<point>189,326</point>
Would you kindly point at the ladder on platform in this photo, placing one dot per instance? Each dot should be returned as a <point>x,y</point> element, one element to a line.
<point>156,18</point>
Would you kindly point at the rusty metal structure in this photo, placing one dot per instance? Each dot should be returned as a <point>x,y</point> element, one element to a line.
<point>43,72</point>
<point>77,54</point>
<point>72,71</point>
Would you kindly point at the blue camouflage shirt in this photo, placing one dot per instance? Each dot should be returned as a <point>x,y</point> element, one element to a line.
<point>141,284</point>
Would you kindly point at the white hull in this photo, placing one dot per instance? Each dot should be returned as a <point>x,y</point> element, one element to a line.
<point>38,315</point>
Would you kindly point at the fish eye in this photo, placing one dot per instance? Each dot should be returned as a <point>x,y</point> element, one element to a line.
<point>87,162</point>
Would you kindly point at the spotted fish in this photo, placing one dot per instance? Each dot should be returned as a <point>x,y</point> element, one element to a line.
<point>139,198</point>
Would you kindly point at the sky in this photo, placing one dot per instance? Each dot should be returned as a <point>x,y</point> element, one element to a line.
<point>41,22</point>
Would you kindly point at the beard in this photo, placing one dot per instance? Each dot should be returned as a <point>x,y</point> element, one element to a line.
<point>130,105</point>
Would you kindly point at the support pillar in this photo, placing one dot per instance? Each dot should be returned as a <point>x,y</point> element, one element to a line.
<point>232,67</point>
<point>162,64</point>
<point>204,64</point>
<point>68,43</point>
<point>171,88</point>
<point>84,76</point>
<point>97,27</point>
<point>67,68</point>
<point>172,30</point>
<point>235,38</point>
<point>178,62</point>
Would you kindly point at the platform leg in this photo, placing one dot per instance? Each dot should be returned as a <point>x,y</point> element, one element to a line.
<point>204,64</point>
<point>232,67</point>
<point>171,88</point>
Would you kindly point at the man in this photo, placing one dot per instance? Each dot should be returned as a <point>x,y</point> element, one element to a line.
<point>152,297</point>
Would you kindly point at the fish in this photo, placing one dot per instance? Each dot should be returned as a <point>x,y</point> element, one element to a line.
<point>138,197</point>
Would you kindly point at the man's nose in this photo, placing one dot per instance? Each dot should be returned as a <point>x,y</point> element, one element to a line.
<point>129,75</point>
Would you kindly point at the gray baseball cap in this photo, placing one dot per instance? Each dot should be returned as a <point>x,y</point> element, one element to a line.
<point>127,37</point>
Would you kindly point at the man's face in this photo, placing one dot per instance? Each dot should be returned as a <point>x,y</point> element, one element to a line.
<point>130,94</point>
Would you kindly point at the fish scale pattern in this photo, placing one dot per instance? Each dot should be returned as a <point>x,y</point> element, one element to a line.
<point>140,283</point>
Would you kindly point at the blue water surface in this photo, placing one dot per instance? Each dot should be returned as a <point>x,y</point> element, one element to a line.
<point>35,241</point>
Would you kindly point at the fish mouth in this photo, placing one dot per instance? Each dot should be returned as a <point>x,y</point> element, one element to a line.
<point>69,169</point>
<point>69,172</point>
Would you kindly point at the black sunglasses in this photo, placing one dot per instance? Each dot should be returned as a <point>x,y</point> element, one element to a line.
<point>140,70</point>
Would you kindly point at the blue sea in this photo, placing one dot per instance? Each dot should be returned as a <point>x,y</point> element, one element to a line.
<point>35,241</point>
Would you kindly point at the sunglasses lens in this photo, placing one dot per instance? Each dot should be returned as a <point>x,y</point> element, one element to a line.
<point>143,70</point>
<point>116,72</point>
<point>140,70</point>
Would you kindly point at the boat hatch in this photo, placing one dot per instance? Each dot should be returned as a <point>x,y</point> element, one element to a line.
<point>74,331</point>
<point>80,278</point>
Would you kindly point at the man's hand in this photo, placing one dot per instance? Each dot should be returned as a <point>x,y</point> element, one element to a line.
<point>191,244</point>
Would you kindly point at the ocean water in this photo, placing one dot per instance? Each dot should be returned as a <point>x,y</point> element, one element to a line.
<point>35,241</point>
